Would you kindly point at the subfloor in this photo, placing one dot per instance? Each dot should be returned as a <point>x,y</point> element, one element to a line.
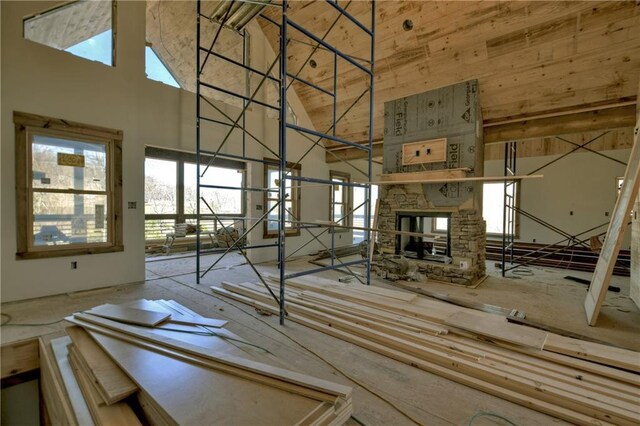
<point>386,392</point>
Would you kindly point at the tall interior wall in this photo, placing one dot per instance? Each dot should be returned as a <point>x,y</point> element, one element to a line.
<point>42,80</point>
<point>576,193</point>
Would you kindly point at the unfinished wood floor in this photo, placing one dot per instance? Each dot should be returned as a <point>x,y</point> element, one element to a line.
<point>382,387</point>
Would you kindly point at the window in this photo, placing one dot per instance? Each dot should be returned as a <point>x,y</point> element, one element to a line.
<point>171,191</point>
<point>441,224</point>
<point>493,205</point>
<point>428,246</point>
<point>82,28</point>
<point>69,187</point>
<point>359,196</point>
<point>339,200</point>
<point>292,203</point>
<point>156,69</point>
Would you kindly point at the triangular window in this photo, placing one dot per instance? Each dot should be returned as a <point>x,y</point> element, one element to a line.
<point>82,28</point>
<point>156,69</point>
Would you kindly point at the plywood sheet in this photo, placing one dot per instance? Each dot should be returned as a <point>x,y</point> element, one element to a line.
<point>116,414</point>
<point>430,151</point>
<point>176,317</point>
<point>110,380</point>
<point>129,315</point>
<point>61,353</point>
<point>205,396</point>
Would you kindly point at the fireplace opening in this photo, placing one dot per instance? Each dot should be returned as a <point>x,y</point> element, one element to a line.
<point>435,243</point>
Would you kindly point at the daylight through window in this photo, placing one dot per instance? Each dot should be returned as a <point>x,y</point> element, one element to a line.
<point>292,203</point>
<point>71,196</point>
<point>83,28</point>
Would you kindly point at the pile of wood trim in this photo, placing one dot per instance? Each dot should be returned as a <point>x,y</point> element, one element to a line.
<point>578,381</point>
<point>152,362</point>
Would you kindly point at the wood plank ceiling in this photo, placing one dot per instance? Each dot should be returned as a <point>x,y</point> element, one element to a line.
<point>529,56</point>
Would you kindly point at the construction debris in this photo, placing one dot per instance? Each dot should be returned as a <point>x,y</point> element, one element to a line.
<point>578,381</point>
<point>113,370</point>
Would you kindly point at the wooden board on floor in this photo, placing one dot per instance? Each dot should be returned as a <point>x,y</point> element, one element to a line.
<point>176,318</point>
<point>111,382</point>
<point>79,405</point>
<point>116,414</point>
<point>54,394</point>
<point>487,384</point>
<point>129,315</point>
<point>497,327</point>
<point>603,354</point>
<point>206,396</point>
<point>233,361</point>
<point>620,219</point>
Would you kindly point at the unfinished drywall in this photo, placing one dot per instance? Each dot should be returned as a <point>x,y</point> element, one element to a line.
<point>41,80</point>
<point>577,192</point>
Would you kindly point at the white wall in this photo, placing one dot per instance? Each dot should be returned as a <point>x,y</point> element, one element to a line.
<point>42,80</point>
<point>581,182</point>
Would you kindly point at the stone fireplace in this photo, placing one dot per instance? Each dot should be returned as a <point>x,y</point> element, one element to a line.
<point>444,232</point>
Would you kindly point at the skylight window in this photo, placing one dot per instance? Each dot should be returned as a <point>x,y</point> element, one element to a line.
<point>156,69</point>
<point>82,28</point>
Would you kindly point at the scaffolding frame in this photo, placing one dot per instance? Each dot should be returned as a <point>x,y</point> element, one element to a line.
<point>286,179</point>
<point>511,209</point>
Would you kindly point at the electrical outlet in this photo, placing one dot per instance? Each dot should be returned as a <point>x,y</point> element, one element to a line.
<point>534,240</point>
<point>606,214</point>
<point>571,213</point>
<point>74,265</point>
<point>131,205</point>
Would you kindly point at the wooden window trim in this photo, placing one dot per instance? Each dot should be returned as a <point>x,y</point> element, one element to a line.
<point>346,200</point>
<point>28,124</point>
<point>294,230</point>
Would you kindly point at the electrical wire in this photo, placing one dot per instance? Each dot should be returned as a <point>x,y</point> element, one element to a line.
<point>480,414</point>
<point>8,322</point>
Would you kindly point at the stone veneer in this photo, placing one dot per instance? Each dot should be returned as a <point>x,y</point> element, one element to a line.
<point>468,242</point>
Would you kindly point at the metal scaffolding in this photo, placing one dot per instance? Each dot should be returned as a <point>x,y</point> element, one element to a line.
<point>227,15</point>
<point>511,209</point>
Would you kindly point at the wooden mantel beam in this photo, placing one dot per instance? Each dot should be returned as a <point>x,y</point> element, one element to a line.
<point>581,119</point>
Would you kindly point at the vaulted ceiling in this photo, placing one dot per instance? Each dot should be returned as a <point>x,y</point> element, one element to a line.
<point>529,56</point>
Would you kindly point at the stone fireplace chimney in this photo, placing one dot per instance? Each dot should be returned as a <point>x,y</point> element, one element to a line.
<point>438,130</point>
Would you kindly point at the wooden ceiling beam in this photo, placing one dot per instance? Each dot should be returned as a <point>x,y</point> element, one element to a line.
<point>556,125</point>
<point>581,119</point>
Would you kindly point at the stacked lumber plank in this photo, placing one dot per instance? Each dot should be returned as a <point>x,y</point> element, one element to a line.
<point>158,363</point>
<point>581,382</point>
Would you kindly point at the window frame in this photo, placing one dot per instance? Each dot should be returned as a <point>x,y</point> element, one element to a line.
<point>114,29</point>
<point>346,200</point>
<point>27,125</point>
<point>181,158</point>
<point>292,229</point>
<point>516,215</point>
